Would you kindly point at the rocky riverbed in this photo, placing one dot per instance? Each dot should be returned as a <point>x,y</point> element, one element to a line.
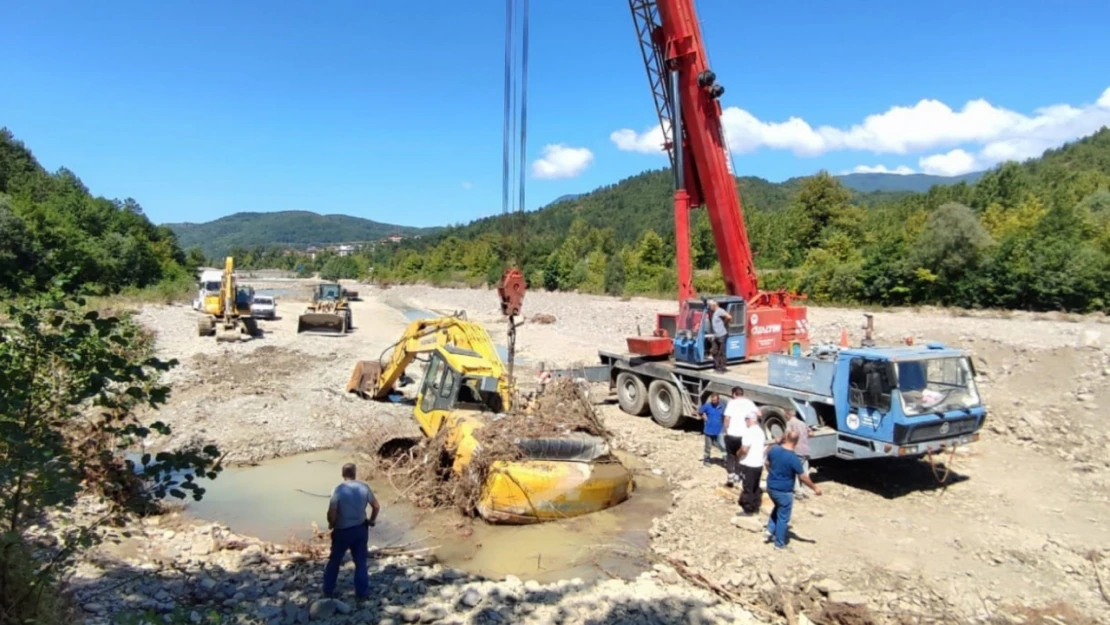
<point>1016,534</point>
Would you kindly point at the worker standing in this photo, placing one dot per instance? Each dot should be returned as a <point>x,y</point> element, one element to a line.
<point>783,466</point>
<point>350,531</point>
<point>752,454</point>
<point>712,413</point>
<point>718,324</point>
<point>795,423</point>
<point>736,412</point>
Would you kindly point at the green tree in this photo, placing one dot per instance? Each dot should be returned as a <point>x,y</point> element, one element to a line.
<point>614,275</point>
<point>341,268</point>
<point>947,251</point>
<point>71,384</point>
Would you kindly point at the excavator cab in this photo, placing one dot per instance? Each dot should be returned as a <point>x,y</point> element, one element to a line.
<point>446,388</point>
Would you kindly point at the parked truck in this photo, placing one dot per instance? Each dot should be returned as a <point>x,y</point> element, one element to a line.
<point>860,402</point>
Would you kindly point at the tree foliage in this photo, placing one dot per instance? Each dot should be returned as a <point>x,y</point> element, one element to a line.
<point>50,225</point>
<point>73,385</point>
<point>1033,235</point>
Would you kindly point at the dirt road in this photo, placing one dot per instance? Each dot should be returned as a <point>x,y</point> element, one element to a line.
<point>1017,526</point>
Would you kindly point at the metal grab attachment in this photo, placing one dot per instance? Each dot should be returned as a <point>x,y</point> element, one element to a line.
<point>511,291</point>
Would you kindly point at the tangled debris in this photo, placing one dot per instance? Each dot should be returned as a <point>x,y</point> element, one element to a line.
<point>424,472</point>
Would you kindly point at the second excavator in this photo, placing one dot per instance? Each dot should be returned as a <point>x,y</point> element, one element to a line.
<point>465,388</point>
<point>226,307</point>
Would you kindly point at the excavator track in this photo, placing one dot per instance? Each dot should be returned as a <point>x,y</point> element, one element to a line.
<point>393,438</point>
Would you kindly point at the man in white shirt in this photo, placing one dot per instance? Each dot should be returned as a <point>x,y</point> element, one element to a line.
<point>736,412</point>
<point>752,450</point>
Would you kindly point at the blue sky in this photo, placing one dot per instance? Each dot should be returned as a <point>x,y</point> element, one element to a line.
<point>392,110</point>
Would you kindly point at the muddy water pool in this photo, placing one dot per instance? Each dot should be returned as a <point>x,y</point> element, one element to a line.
<point>281,499</point>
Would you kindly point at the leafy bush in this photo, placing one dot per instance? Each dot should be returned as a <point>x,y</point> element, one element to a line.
<point>72,387</point>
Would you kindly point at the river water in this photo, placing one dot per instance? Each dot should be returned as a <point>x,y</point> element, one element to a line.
<point>281,499</point>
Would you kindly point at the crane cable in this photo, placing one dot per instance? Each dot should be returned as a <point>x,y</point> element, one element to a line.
<point>513,171</point>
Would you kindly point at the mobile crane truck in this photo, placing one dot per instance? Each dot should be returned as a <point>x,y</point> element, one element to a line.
<point>861,402</point>
<point>864,402</point>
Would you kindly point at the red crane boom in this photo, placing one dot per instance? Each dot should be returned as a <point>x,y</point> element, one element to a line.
<point>686,96</point>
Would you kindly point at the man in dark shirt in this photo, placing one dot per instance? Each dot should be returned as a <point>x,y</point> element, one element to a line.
<point>350,531</point>
<point>712,413</point>
<point>718,326</point>
<point>783,465</point>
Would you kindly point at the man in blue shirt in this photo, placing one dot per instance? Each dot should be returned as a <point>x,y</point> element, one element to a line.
<point>712,413</point>
<point>783,465</point>
<point>350,531</point>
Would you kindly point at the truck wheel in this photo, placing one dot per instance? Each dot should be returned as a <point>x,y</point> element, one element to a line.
<point>774,422</point>
<point>666,403</point>
<point>631,394</point>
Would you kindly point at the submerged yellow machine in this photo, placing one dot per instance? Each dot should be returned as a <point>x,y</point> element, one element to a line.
<point>465,388</point>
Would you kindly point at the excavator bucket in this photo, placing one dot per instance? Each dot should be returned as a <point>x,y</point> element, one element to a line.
<point>364,378</point>
<point>331,323</point>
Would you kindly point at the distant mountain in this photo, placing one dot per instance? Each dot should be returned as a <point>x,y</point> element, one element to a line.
<point>296,229</point>
<point>916,183</point>
<point>565,198</point>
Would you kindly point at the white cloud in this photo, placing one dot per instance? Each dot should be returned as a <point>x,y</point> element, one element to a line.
<point>561,161</point>
<point>951,163</point>
<point>466,184</point>
<point>901,170</point>
<point>998,133</point>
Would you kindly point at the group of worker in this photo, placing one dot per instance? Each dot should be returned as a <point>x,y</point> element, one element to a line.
<point>735,429</point>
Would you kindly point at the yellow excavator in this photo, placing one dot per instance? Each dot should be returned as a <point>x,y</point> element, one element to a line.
<point>226,310</point>
<point>465,386</point>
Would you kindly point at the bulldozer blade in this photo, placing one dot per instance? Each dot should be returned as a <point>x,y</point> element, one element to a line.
<point>364,379</point>
<point>322,322</point>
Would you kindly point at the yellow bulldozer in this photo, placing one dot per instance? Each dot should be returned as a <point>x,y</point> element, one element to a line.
<point>329,311</point>
<point>226,307</point>
<point>465,386</point>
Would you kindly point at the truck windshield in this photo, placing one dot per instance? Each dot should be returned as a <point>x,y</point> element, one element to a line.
<point>212,286</point>
<point>936,385</point>
<point>263,299</point>
<point>329,291</point>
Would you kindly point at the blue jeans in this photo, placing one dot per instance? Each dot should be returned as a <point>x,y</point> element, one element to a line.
<point>711,441</point>
<point>353,539</point>
<point>780,515</point>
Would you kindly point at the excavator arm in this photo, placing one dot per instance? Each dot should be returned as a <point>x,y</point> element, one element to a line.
<point>463,344</point>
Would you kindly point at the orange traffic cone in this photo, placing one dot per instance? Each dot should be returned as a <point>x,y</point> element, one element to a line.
<point>844,337</point>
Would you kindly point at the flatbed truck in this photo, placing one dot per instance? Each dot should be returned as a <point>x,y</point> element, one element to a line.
<point>866,402</point>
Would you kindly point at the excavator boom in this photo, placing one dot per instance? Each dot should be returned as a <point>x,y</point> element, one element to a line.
<point>468,344</point>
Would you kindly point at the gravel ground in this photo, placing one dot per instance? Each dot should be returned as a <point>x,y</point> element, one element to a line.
<point>1012,529</point>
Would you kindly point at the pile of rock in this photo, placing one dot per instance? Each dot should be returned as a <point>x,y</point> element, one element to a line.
<point>201,572</point>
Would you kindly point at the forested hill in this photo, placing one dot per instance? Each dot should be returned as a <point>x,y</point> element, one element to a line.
<point>294,229</point>
<point>919,183</point>
<point>1034,235</point>
<point>51,227</point>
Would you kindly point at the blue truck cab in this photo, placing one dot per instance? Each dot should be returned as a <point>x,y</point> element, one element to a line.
<point>867,402</point>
